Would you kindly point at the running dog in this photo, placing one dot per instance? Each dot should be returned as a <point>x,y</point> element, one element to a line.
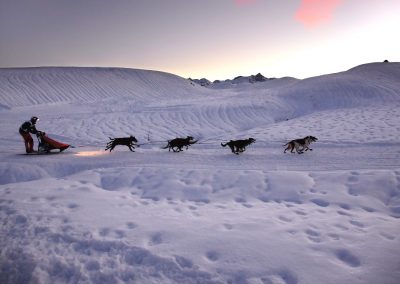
<point>177,144</point>
<point>239,146</point>
<point>300,143</point>
<point>124,141</point>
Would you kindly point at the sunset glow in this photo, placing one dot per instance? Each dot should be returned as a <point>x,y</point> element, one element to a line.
<point>211,39</point>
<point>314,12</point>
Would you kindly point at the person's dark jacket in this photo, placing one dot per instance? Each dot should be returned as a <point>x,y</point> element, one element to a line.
<point>28,127</point>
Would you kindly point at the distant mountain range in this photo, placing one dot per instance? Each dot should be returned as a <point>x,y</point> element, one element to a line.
<point>240,79</point>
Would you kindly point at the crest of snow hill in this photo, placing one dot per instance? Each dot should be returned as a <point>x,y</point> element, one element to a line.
<point>239,79</point>
<point>357,86</point>
<point>260,78</point>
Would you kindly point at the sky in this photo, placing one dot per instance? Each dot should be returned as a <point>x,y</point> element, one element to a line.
<point>215,39</point>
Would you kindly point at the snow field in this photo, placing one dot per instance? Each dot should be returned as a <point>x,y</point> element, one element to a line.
<point>204,215</point>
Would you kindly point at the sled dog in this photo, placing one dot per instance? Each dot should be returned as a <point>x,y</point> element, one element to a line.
<point>124,141</point>
<point>177,144</point>
<point>300,145</point>
<point>239,146</point>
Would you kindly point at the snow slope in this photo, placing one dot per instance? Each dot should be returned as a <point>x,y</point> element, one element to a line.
<point>203,215</point>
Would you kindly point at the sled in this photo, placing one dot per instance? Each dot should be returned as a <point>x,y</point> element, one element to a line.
<point>46,144</point>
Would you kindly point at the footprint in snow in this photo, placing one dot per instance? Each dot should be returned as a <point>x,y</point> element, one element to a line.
<point>212,255</point>
<point>228,226</point>
<point>283,276</point>
<point>285,219</point>
<point>357,224</point>
<point>312,233</point>
<point>352,179</point>
<point>368,209</point>
<point>388,236</point>
<point>155,239</point>
<point>352,191</point>
<point>104,232</point>
<point>343,213</point>
<point>334,237</point>
<point>120,234</point>
<point>131,225</point>
<point>51,198</point>
<point>313,236</point>
<point>73,206</point>
<point>240,200</point>
<point>183,262</point>
<point>341,227</point>
<point>345,206</point>
<point>247,205</point>
<point>347,258</point>
<point>320,202</point>
<point>298,212</point>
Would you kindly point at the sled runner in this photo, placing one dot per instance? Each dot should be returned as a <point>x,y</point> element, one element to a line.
<point>46,144</point>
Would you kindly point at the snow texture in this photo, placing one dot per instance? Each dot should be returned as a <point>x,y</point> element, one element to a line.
<point>203,215</point>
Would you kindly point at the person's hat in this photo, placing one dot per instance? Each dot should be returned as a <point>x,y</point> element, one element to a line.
<point>34,119</point>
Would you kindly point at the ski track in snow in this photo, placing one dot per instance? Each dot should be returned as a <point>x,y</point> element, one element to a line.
<point>203,215</point>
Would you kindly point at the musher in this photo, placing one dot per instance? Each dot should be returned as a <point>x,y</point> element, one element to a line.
<point>26,128</point>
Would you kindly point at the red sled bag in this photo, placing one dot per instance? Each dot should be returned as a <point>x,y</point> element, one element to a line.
<point>46,144</point>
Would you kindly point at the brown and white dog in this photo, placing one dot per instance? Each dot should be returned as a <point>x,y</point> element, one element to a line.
<point>300,143</point>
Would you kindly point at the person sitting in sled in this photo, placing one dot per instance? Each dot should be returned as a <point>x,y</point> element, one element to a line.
<point>26,128</point>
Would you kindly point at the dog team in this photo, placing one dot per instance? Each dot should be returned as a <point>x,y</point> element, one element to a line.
<point>236,146</point>
<point>176,145</point>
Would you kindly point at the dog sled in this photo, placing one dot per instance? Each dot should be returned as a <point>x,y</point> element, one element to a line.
<point>46,144</point>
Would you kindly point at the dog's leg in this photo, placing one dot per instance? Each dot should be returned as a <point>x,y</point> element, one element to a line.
<point>298,149</point>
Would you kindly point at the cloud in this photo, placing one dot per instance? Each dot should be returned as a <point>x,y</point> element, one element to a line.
<point>244,2</point>
<point>312,13</point>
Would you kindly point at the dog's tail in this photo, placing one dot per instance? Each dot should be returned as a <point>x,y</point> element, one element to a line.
<point>165,146</point>
<point>224,145</point>
<point>286,144</point>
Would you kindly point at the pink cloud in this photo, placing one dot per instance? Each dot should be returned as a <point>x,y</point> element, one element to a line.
<point>314,12</point>
<point>244,2</point>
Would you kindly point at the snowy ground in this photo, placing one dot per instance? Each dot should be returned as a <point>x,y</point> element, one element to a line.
<point>203,215</point>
